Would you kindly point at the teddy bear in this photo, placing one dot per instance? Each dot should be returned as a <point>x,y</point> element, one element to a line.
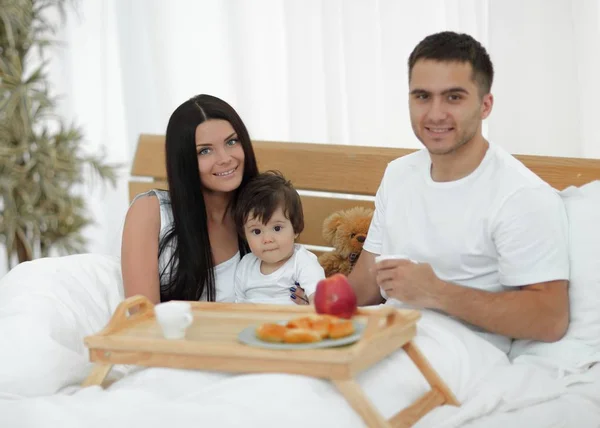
<point>345,231</point>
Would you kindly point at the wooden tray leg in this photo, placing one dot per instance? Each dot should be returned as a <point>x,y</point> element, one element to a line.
<point>434,380</point>
<point>411,414</point>
<point>438,395</point>
<point>98,374</point>
<point>360,403</point>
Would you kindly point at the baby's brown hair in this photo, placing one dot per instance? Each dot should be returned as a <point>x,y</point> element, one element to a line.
<point>263,195</point>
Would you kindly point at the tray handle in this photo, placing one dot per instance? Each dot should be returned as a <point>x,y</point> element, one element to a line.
<point>123,314</point>
<point>378,320</point>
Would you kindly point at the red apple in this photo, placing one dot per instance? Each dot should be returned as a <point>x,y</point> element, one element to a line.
<point>335,296</point>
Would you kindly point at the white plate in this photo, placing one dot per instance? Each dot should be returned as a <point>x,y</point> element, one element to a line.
<point>248,336</point>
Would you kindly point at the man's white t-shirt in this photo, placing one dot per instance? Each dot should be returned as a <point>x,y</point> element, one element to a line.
<point>499,227</point>
<point>255,287</point>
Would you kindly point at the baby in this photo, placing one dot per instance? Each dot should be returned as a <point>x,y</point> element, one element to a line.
<point>269,217</point>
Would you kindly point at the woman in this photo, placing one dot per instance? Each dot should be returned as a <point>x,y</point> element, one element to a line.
<point>182,244</point>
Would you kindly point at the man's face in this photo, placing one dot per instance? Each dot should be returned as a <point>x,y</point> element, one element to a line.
<point>446,109</point>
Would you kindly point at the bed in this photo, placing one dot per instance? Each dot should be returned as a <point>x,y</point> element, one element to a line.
<point>48,306</point>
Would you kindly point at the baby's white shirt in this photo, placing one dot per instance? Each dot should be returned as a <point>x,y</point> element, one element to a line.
<point>252,286</point>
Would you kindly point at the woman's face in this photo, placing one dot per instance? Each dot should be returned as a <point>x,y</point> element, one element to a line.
<point>220,156</point>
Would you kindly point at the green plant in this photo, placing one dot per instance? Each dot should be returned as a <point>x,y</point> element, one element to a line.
<point>42,160</point>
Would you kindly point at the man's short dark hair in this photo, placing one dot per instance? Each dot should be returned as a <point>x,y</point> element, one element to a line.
<point>449,46</point>
<point>263,195</point>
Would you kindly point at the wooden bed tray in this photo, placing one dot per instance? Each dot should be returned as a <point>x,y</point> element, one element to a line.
<point>211,344</point>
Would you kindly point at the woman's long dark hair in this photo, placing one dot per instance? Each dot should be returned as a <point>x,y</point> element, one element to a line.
<point>189,271</point>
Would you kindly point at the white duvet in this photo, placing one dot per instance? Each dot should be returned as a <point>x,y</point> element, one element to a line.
<point>48,306</point>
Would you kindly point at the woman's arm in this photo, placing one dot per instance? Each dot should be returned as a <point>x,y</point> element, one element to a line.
<point>139,249</point>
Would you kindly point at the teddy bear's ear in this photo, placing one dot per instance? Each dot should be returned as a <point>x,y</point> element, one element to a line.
<point>330,226</point>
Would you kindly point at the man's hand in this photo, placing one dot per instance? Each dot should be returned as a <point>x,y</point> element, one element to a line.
<point>409,282</point>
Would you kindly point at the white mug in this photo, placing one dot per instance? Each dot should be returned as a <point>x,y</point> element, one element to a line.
<point>393,257</point>
<point>174,318</point>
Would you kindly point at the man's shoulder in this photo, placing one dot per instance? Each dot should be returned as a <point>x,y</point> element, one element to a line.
<point>518,185</point>
<point>408,164</point>
<point>513,172</point>
<point>531,197</point>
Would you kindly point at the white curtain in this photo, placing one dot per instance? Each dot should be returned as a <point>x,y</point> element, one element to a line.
<point>327,71</point>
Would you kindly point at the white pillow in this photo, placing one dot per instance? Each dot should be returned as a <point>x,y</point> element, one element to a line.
<point>581,345</point>
<point>47,307</point>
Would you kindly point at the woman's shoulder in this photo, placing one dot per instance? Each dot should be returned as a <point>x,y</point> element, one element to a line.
<point>161,195</point>
<point>143,208</point>
<point>152,202</point>
<point>142,224</point>
<point>149,206</point>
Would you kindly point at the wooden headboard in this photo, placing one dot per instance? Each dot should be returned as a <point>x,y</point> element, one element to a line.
<point>347,171</point>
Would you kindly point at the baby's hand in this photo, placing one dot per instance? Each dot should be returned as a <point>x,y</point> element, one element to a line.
<point>297,295</point>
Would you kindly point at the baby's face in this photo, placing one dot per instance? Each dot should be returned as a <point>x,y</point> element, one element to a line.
<point>273,242</point>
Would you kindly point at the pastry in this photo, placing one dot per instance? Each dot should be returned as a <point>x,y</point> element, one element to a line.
<point>270,332</point>
<point>340,328</point>
<point>301,322</point>
<point>320,324</point>
<point>301,335</point>
<point>306,329</point>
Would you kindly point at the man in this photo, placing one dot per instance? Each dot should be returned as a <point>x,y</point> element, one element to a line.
<point>480,237</point>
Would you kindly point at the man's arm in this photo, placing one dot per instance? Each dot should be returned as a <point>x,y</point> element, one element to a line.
<point>537,311</point>
<point>362,279</point>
